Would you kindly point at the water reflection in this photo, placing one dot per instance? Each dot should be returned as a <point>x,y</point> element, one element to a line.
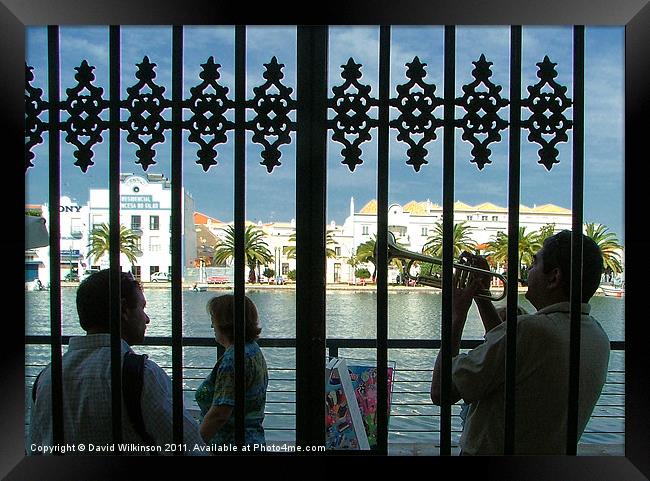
<point>349,314</point>
<point>411,315</point>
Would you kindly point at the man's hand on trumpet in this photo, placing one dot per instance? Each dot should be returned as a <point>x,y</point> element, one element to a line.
<point>479,262</point>
<point>488,314</point>
<point>466,285</point>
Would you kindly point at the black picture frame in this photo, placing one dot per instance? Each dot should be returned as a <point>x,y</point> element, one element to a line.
<point>634,14</point>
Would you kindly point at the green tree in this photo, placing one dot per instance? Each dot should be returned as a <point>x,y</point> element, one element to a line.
<point>529,244</point>
<point>100,243</point>
<point>544,233</point>
<point>609,246</point>
<point>362,273</point>
<point>366,253</point>
<point>330,243</point>
<point>461,240</point>
<point>256,250</point>
<point>33,212</point>
<point>353,261</point>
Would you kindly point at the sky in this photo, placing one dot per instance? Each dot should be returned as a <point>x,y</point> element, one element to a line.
<point>271,197</point>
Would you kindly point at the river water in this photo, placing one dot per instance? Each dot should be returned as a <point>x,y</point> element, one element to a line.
<point>350,314</point>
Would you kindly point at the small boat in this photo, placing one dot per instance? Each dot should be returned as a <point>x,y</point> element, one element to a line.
<point>613,291</point>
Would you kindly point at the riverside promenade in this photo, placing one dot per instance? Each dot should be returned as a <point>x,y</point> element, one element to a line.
<point>292,286</point>
<point>187,286</point>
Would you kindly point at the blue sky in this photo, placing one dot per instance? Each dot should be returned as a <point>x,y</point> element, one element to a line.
<point>271,197</point>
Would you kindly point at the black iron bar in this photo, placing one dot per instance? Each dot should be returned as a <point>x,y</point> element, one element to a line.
<point>291,343</point>
<point>514,185</point>
<point>311,178</point>
<point>55,233</point>
<point>176,233</point>
<point>114,234</point>
<point>240,219</point>
<point>447,244</point>
<point>576,239</point>
<point>382,236</point>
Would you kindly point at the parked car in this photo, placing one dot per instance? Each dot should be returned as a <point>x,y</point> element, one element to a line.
<point>217,280</point>
<point>160,277</point>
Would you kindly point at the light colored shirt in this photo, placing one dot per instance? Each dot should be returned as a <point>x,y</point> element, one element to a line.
<point>87,403</point>
<point>542,381</point>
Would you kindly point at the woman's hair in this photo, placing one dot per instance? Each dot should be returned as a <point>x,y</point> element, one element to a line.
<point>93,298</point>
<point>222,309</point>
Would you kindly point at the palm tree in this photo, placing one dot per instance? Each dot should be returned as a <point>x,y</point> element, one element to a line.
<point>461,240</point>
<point>256,251</point>
<point>545,232</point>
<point>100,243</point>
<point>366,253</point>
<point>330,253</point>
<point>609,246</point>
<point>353,261</point>
<point>529,244</point>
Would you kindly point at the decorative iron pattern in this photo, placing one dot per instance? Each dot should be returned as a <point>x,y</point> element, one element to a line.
<point>272,104</point>
<point>351,102</point>
<point>482,102</point>
<point>84,126</point>
<point>208,104</point>
<point>416,124</point>
<point>146,124</point>
<point>547,118</point>
<point>34,107</point>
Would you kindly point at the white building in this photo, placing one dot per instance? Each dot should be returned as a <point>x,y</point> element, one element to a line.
<point>145,208</point>
<point>414,222</point>
<point>73,219</point>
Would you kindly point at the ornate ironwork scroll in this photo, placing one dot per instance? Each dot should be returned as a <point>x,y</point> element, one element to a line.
<point>84,126</point>
<point>482,101</point>
<point>351,102</point>
<point>208,125</point>
<point>547,101</point>
<point>145,123</point>
<point>272,104</point>
<point>416,123</point>
<point>34,107</point>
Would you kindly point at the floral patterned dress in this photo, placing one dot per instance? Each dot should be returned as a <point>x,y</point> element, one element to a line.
<point>219,389</point>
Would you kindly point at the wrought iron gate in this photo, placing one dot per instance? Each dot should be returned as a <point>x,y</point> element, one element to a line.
<point>351,124</point>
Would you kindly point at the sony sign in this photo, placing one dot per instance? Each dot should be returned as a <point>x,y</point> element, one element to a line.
<point>69,208</point>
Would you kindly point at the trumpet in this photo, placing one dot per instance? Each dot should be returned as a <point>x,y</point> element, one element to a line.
<point>435,279</point>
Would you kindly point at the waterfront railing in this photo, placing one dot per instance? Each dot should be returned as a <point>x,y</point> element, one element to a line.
<point>414,426</point>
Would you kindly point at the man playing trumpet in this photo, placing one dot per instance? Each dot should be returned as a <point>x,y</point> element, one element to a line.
<point>542,374</point>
